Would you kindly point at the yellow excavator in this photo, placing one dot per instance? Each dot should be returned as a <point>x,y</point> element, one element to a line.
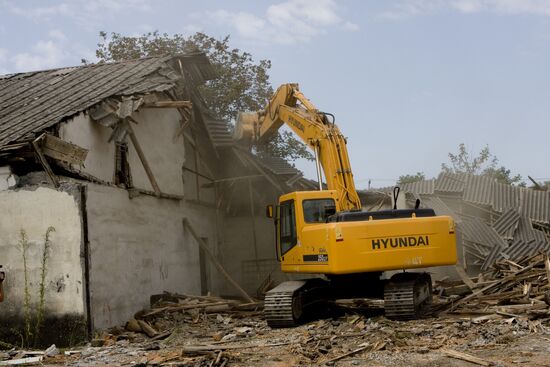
<point>326,232</point>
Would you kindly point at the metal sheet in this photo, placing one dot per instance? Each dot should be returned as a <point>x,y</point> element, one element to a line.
<point>504,197</point>
<point>439,207</point>
<point>479,190</point>
<point>477,231</point>
<point>423,187</point>
<point>507,224</point>
<point>536,205</point>
<point>450,182</point>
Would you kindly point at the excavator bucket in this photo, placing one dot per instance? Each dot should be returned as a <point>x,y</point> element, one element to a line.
<point>245,126</point>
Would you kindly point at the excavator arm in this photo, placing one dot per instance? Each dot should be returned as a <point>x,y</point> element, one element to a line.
<point>289,106</point>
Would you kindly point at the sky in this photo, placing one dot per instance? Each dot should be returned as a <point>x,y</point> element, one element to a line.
<point>408,80</point>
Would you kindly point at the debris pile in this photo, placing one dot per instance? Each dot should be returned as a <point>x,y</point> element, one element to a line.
<point>516,290</point>
<point>489,326</point>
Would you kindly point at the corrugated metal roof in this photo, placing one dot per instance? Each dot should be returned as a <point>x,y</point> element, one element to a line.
<point>423,187</point>
<point>438,206</point>
<point>479,190</point>
<point>478,232</point>
<point>450,182</point>
<point>504,197</point>
<point>536,205</point>
<point>507,224</point>
<point>525,230</point>
<point>31,102</point>
<point>495,254</point>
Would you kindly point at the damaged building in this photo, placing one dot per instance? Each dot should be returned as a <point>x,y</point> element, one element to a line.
<point>130,171</point>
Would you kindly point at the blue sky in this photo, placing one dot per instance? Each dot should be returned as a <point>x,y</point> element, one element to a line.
<point>408,80</point>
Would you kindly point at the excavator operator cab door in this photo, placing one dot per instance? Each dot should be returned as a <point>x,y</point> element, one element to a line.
<point>287,236</point>
<point>297,210</point>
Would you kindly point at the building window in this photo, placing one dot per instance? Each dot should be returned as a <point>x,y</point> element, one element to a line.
<point>122,167</point>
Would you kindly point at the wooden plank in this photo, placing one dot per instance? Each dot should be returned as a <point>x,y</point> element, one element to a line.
<point>22,361</point>
<point>169,104</point>
<point>147,329</point>
<point>465,357</point>
<point>465,278</point>
<point>495,284</point>
<point>547,267</point>
<point>43,161</point>
<point>64,151</point>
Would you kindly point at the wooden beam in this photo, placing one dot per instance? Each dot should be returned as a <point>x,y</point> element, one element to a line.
<point>466,357</point>
<point>62,150</point>
<point>169,104</point>
<point>215,261</point>
<point>43,161</point>
<point>143,160</point>
<point>465,278</point>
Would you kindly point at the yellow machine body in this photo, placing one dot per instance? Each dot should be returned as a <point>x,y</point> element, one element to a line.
<point>358,246</point>
<point>326,232</point>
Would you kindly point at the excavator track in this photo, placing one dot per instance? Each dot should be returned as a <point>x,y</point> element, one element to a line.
<point>291,302</point>
<point>406,294</point>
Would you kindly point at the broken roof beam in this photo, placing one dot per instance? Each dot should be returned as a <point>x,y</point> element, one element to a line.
<point>43,161</point>
<point>143,160</point>
<point>168,104</point>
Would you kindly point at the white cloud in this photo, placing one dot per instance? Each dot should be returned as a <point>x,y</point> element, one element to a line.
<point>57,35</point>
<point>349,26</point>
<point>286,22</point>
<point>43,55</point>
<point>54,51</point>
<point>89,14</point>
<point>535,7</point>
<point>410,8</point>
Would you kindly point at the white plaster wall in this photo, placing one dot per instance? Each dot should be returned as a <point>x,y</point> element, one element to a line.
<point>33,211</point>
<point>82,131</point>
<point>155,131</point>
<point>137,248</point>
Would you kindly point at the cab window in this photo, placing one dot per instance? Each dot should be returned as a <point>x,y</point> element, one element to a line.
<point>287,226</point>
<point>315,210</point>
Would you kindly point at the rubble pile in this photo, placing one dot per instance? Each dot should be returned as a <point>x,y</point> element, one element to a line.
<point>510,289</point>
<point>503,320</point>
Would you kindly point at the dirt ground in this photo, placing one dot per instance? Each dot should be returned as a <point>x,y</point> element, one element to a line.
<point>350,339</point>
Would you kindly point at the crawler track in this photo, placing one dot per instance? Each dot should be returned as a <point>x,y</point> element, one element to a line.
<point>405,295</point>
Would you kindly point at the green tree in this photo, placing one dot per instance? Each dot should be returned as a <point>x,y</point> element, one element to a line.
<point>404,179</point>
<point>484,163</point>
<point>241,84</point>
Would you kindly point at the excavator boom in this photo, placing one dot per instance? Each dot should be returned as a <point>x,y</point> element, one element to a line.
<point>289,106</point>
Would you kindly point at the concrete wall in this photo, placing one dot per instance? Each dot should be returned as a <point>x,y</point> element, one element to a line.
<point>34,210</point>
<point>138,247</point>
<point>155,131</point>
